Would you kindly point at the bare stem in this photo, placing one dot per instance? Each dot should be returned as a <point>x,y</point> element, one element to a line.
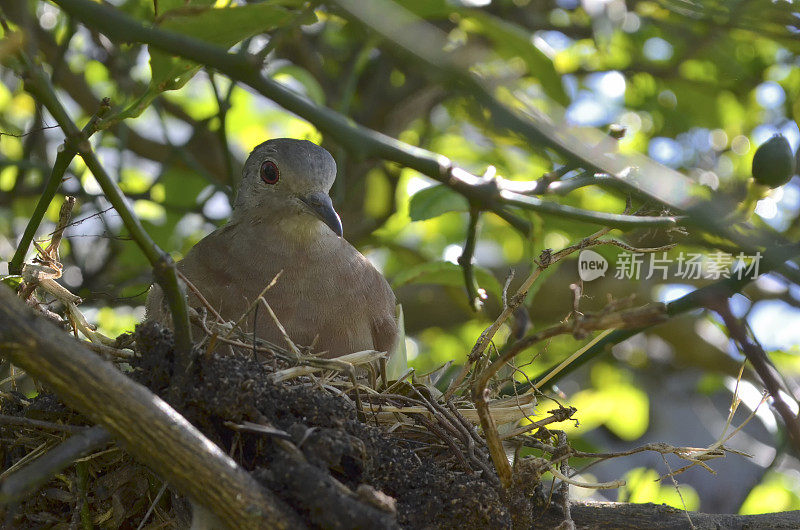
<point>465,260</point>
<point>63,160</point>
<point>760,361</point>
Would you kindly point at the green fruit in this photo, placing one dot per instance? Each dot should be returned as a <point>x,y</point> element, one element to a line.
<point>773,163</point>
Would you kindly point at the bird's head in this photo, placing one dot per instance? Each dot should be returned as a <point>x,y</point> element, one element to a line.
<point>293,173</point>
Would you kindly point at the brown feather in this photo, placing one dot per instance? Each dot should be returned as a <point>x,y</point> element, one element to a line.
<point>327,291</point>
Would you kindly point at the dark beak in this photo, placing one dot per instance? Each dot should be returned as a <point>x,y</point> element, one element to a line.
<point>321,205</point>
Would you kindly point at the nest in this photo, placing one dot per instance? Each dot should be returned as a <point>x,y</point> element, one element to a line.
<point>426,466</point>
<point>335,441</point>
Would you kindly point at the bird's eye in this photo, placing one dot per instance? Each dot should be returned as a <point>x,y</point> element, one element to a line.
<point>269,172</point>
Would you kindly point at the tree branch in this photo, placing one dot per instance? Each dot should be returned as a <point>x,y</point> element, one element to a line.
<point>688,302</point>
<point>465,260</point>
<point>26,481</point>
<point>627,516</point>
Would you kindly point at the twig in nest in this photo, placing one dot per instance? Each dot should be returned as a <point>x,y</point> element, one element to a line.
<point>457,431</point>
<point>557,415</point>
<point>256,428</point>
<point>480,391</point>
<point>570,359</point>
<point>292,346</point>
<point>309,365</point>
<point>213,332</point>
<point>501,410</point>
<point>343,366</point>
<point>20,484</point>
<point>255,302</point>
<point>199,296</point>
<point>591,485</point>
<point>152,506</point>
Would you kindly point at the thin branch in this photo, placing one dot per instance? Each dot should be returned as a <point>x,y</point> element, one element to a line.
<point>546,259</point>
<point>480,390</point>
<point>688,302</point>
<point>39,424</point>
<point>465,260</point>
<point>760,361</point>
<point>557,415</point>
<point>63,160</point>
<point>223,104</point>
<point>37,83</point>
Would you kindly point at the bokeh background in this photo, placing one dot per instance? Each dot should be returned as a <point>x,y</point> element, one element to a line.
<point>697,87</point>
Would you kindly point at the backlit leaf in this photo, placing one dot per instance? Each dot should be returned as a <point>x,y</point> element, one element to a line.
<point>434,201</point>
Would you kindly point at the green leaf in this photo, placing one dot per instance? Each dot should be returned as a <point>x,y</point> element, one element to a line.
<point>162,6</point>
<point>613,401</point>
<point>511,40</point>
<point>446,273</point>
<point>181,187</point>
<point>313,89</point>
<point>508,39</point>
<point>434,201</point>
<point>776,493</point>
<point>223,27</point>
<point>642,485</point>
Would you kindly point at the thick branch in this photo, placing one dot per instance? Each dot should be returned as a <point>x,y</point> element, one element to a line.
<point>151,430</point>
<point>637,516</point>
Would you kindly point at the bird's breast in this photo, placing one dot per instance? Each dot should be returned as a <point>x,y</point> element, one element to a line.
<point>325,293</point>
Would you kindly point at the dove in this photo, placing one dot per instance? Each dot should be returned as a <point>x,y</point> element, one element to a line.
<point>283,225</point>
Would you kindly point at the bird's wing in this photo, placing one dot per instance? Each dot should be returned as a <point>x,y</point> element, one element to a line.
<point>384,318</point>
<point>397,361</point>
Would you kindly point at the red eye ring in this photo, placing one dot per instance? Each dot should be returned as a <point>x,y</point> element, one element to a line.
<point>270,173</point>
